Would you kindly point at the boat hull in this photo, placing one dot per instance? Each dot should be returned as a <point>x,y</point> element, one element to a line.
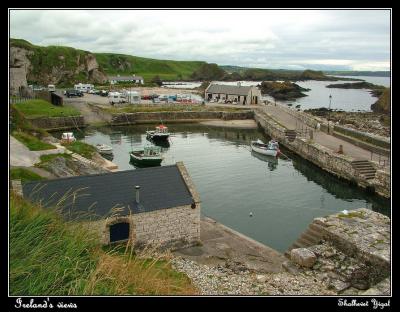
<point>145,160</point>
<point>157,136</point>
<point>264,151</point>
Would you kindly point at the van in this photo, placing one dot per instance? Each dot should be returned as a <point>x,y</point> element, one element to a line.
<point>132,97</point>
<point>115,98</point>
<point>51,88</point>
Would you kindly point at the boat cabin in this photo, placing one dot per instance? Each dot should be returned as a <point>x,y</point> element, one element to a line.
<point>151,151</point>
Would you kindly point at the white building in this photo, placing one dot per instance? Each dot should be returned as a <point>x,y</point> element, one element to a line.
<point>132,79</point>
<point>244,95</point>
<point>84,87</point>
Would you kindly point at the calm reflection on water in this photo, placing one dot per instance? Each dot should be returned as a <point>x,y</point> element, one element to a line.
<point>283,195</point>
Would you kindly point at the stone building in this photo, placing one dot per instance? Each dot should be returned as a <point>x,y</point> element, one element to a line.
<point>244,95</point>
<point>150,206</point>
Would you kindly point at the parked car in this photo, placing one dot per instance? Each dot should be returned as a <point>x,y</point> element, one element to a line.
<point>72,92</point>
<point>93,91</point>
<point>103,93</point>
<point>156,100</point>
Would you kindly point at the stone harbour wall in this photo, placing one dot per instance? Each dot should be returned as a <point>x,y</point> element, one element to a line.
<point>58,123</point>
<point>337,164</point>
<point>131,118</point>
<point>362,234</point>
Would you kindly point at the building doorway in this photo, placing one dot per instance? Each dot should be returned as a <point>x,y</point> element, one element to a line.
<point>119,232</point>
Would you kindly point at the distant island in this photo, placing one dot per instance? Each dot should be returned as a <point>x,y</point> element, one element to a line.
<point>282,90</point>
<point>358,73</point>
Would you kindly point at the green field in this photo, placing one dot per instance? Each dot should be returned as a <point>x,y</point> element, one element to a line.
<point>42,108</point>
<point>49,256</point>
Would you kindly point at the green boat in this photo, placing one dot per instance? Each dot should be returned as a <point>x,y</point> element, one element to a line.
<point>149,156</point>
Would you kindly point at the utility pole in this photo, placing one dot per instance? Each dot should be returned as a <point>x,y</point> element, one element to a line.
<point>329,112</point>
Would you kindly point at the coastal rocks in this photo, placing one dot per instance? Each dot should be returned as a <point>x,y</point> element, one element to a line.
<point>68,167</point>
<point>223,281</point>
<point>303,257</point>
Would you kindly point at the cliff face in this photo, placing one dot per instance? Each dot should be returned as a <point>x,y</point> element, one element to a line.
<point>19,67</point>
<point>51,65</point>
<point>383,103</point>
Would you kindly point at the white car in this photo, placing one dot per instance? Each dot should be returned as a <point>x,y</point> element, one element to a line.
<point>93,91</point>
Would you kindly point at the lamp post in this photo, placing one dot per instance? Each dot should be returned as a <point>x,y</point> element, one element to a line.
<point>329,112</point>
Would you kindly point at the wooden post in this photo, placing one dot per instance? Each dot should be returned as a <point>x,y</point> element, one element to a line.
<point>340,149</point>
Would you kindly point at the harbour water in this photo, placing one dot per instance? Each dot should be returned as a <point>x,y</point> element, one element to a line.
<point>282,195</point>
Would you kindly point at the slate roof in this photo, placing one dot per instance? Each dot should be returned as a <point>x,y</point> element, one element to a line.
<point>225,89</point>
<point>93,196</point>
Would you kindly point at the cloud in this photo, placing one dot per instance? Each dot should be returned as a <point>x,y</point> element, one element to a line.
<point>270,38</point>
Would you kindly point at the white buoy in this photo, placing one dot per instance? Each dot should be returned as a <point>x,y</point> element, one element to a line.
<point>251,214</point>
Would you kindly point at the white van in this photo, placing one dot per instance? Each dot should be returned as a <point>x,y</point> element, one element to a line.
<point>51,88</point>
<point>115,98</point>
<point>131,97</point>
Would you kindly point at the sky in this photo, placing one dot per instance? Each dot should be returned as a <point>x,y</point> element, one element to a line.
<point>289,39</point>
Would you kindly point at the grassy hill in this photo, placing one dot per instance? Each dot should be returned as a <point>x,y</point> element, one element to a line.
<point>113,64</point>
<point>66,65</point>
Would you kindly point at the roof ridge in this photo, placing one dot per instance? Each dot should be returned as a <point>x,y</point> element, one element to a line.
<point>105,173</point>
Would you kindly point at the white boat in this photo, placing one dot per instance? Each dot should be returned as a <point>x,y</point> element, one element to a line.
<point>68,137</point>
<point>270,149</point>
<point>104,149</point>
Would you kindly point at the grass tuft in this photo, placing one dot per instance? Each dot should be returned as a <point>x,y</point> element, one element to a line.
<point>81,148</point>
<point>32,142</point>
<point>24,175</point>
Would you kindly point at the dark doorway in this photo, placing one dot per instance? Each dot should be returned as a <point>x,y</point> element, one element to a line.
<point>119,232</point>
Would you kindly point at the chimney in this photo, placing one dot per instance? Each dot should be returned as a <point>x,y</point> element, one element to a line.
<point>137,187</point>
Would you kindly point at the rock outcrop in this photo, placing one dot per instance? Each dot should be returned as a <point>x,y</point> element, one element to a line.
<point>51,65</point>
<point>20,65</point>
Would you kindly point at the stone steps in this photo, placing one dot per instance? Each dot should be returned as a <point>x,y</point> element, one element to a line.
<point>291,134</point>
<point>364,168</point>
<point>310,237</point>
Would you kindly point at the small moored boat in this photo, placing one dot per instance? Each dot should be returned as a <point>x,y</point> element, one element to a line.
<point>68,137</point>
<point>149,156</point>
<point>270,149</point>
<point>161,133</point>
<point>104,149</point>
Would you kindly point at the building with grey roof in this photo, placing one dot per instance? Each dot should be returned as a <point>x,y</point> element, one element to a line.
<point>133,79</point>
<point>157,205</point>
<point>243,95</point>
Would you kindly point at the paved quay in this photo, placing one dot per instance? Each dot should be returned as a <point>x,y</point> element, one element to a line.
<point>322,138</point>
<point>222,245</point>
